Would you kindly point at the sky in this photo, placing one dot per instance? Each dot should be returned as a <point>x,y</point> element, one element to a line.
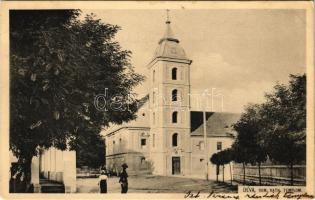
<point>238,55</point>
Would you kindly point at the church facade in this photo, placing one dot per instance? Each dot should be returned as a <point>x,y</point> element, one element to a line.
<point>167,137</point>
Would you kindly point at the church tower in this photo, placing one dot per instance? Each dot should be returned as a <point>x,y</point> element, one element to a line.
<point>170,150</point>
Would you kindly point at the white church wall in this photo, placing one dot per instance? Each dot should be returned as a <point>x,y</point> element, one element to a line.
<point>199,159</point>
<point>182,95</point>
<point>137,137</point>
<point>117,142</point>
<point>187,164</point>
<point>126,146</point>
<point>183,141</point>
<point>158,70</point>
<point>155,87</point>
<point>182,72</point>
<point>182,117</point>
<point>157,144</point>
<point>159,164</point>
<point>213,143</point>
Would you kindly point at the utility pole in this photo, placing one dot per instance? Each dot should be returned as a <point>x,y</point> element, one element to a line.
<point>205,135</point>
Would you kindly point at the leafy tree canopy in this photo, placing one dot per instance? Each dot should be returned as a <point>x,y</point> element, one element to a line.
<point>284,116</point>
<point>58,65</point>
<point>275,128</point>
<point>249,137</point>
<point>90,149</point>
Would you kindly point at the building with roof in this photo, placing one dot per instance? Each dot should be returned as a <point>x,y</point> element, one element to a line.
<point>167,137</point>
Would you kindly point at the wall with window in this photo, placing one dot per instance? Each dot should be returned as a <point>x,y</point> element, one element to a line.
<point>139,140</point>
<point>120,145</point>
<point>169,118</point>
<point>169,95</point>
<point>127,140</point>
<point>177,138</point>
<point>115,143</point>
<point>176,72</point>
<point>118,142</point>
<point>170,72</point>
<point>176,95</point>
<point>214,144</point>
<point>166,77</point>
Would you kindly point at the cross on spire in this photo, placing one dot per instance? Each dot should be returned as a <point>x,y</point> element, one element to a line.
<point>169,36</point>
<point>168,21</point>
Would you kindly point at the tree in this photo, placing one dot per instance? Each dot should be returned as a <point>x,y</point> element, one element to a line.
<point>239,156</point>
<point>222,158</point>
<point>58,65</point>
<point>249,136</point>
<point>275,128</point>
<point>215,160</point>
<point>284,114</point>
<point>90,149</point>
<point>226,158</point>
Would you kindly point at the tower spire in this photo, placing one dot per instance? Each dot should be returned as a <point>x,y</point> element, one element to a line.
<point>167,16</point>
<point>169,36</point>
<point>168,45</point>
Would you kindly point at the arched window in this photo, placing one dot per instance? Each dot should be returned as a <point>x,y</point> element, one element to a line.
<point>153,99</point>
<point>174,117</point>
<point>154,118</point>
<point>153,75</point>
<point>174,73</point>
<point>175,140</point>
<point>174,95</point>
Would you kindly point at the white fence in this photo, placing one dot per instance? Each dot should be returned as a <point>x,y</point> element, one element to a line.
<point>270,175</point>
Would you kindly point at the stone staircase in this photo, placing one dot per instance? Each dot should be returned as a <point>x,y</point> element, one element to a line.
<point>49,186</point>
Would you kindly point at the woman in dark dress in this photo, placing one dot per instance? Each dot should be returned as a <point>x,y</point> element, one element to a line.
<point>123,180</point>
<point>103,182</point>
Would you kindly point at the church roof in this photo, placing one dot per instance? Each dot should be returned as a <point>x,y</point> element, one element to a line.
<point>169,47</point>
<point>218,123</point>
<point>141,121</point>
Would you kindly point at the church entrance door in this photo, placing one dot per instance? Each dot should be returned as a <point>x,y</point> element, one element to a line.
<point>175,165</point>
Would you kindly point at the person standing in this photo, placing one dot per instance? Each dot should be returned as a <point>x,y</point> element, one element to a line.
<point>123,179</point>
<point>103,182</point>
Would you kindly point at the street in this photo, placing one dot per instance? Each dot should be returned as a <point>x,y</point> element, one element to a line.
<point>155,184</point>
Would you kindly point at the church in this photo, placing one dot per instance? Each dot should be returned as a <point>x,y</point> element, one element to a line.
<point>168,138</point>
